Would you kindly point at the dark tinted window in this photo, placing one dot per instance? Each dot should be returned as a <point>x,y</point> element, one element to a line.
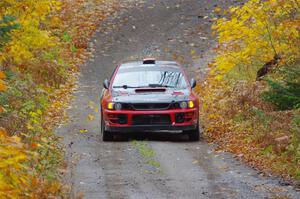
<point>147,76</point>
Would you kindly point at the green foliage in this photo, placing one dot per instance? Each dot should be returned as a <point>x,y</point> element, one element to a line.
<point>48,147</point>
<point>146,152</point>
<point>73,49</point>
<point>285,94</point>
<point>144,149</point>
<point>21,96</point>
<point>294,147</point>
<point>262,116</point>
<point>7,25</point>
<point>153,163</point>
<point>268,150</point>
<point>296,121</point>
<point>67,38</point>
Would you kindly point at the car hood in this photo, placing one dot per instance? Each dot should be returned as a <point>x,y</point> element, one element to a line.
<point>150,95</point>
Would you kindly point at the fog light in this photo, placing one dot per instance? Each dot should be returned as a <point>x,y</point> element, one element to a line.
<point>110,106</point>
<point>191,104</point>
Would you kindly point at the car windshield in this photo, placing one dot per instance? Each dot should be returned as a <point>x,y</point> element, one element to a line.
<point>138,77</point>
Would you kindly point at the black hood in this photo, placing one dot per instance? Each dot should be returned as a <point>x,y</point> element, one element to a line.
<point>150,95</point>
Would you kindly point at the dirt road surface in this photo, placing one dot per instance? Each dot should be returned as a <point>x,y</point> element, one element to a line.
<point>155,166</point>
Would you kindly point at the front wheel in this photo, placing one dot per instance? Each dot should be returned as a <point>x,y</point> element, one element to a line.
<point>106,135</point>
<point>194,135</point>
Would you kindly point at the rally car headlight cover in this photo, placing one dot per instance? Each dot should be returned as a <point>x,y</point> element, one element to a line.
<point>114,106</point>
<point>183,105</point>
<point>118,106</point>
<point>191,104</point>
<point>110,105</point>
<point>187,104</point>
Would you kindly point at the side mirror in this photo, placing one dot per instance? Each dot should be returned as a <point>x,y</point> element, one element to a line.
<point>106,84</point>
<point>193,83</point>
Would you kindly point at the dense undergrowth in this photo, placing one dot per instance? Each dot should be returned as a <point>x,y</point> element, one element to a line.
<point>251,97</point>
<point>41,45</point>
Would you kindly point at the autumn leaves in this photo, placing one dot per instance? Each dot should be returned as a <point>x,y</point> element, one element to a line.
<point>42,43</point>
<point>254,34</point>
<point>234,109</point>
<point>2,86</point>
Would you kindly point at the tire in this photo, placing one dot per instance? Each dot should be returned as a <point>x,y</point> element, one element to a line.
<point>106,135</point>
<point>194,135</point>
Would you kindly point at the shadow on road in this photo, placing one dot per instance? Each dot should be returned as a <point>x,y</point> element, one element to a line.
<point>149,136</point>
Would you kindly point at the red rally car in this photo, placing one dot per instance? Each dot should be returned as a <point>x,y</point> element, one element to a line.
<point>149,95</point>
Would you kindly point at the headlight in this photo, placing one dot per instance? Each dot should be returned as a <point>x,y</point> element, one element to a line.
<point>118,106</point>
<point>114,106</point>
<point>110,106</point>
<point>191,104</point>
<point>188,104</point>
<point>183,105</point>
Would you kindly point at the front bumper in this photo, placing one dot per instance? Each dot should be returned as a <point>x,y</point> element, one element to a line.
<point>146,128</point>
<point>188,122</point>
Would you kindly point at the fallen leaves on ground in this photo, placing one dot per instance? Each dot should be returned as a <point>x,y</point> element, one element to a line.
<point>40,51</point>
<point>233,111</point>
<point>91,117</point>
<point>83,130</point>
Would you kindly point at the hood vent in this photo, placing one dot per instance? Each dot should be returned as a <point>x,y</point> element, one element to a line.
<point>150,90</point>
<point>149,61</point>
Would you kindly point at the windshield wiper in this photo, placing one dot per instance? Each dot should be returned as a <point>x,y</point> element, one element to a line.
<point>126,86</point>
<point>160,86</point>
<point>150,85</point>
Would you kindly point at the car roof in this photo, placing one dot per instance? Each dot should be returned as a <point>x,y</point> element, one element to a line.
<point>159,64</point>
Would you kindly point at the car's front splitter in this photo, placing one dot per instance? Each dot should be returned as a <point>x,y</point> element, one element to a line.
<point>150,128</point>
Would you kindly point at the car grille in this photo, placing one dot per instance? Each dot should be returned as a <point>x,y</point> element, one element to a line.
<point>150,106</point>
<point>156,119</point>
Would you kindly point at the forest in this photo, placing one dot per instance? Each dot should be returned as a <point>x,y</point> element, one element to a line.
<point>250,98</point>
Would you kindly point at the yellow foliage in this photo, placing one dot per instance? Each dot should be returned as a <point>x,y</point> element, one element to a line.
<point>2,85</point>
<point>255,32</point>
<point>30,38</point>
<point>232,110</point>
<point>40,53</point>
<point>13,155</point>
<point>17,179</point>
<point>2,75</point>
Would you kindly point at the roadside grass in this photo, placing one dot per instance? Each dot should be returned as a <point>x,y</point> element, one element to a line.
<point>147,153</point>
<point>144,149</point>
<point>153,163</point>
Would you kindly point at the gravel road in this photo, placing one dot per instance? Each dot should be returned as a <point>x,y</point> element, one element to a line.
<point>154,166</point>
